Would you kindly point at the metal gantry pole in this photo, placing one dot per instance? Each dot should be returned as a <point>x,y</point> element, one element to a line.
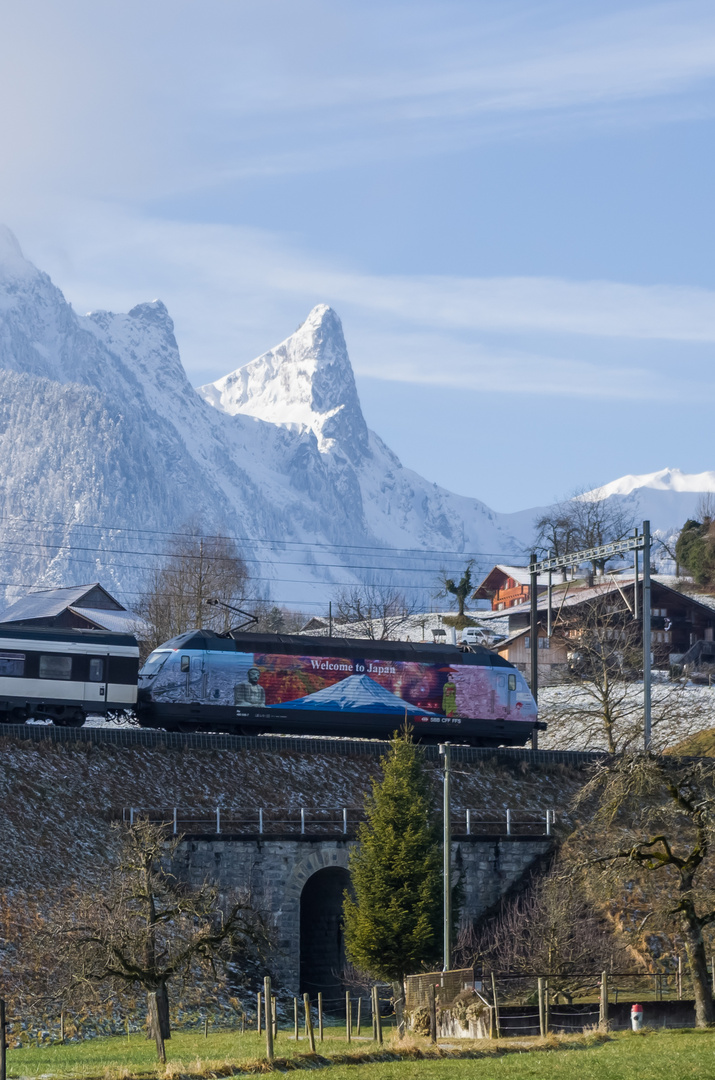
<point>647,643</point>
<point>534,635</point>
<point>447,855</point>
<point>635,578</point>
<point>548,608</point>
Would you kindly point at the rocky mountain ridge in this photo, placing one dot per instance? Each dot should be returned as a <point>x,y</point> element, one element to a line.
<point>109,451</point>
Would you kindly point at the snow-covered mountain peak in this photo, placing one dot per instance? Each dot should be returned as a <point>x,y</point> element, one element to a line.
<point>13,264</point>
<point>153,312</point>
<point>307,382</point>
<point>674,480</point>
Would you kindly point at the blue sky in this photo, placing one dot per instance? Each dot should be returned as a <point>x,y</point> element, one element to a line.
<point>509,204</point>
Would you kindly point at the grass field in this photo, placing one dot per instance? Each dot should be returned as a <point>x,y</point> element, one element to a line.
<point>651,1055</point>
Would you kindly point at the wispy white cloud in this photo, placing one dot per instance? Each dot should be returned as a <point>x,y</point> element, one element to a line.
<point>234,292</point>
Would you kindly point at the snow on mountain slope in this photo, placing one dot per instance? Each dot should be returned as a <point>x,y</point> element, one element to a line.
<point>103,433</point>
<point>108,449</point>
<point>306,381</point>
<point>306,384</point>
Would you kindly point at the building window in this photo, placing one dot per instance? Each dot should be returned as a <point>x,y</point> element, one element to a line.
<point>56,667</point>
<point>544,643</point>
<point>527,642</point>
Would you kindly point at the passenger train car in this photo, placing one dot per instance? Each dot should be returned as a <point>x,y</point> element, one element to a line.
<point>249,683</point>
<point>62,675</point>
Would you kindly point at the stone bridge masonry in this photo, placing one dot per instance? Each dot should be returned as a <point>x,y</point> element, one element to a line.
<point>300,882</point>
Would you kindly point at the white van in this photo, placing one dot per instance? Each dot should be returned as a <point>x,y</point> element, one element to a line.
<point>473,635</point>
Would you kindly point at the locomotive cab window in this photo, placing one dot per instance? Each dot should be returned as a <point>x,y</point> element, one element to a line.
<point>512,682</point>
<point>185,663</point>
<point>12,665</point>
<point>96,669</point>
<point>55,667</point>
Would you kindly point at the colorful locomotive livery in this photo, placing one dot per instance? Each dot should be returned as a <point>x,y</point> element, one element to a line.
<point>335,686</point>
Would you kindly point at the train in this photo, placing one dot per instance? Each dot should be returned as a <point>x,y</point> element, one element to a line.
<point>255,683</point>
<point>65,675</point>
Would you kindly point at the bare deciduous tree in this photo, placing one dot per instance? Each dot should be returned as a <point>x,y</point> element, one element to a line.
<point>272,619</point>
<point>551,929</point>
<point>648,824</point>
<point>195,570</point>
<point>377,612</point>
<point>584,520</point>
<point>143,927</point>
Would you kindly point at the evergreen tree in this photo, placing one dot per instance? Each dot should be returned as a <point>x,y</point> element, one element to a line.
<point>393,924</point>
<point>695,550</point>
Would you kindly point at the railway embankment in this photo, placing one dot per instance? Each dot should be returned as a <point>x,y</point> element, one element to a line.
<point>59,796</point>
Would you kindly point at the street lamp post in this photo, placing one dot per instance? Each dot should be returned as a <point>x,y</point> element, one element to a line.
<point>444,751</point>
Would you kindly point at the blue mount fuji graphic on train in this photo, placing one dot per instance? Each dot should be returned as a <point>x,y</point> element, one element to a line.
<point>357,693</point>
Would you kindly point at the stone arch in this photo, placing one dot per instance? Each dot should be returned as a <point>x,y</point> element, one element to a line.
<point>322,944</point>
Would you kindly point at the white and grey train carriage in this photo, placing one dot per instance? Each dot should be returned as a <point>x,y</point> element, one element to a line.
<point>62,675</point>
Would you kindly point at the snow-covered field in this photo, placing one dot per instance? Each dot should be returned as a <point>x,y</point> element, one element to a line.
<point>576,722</point>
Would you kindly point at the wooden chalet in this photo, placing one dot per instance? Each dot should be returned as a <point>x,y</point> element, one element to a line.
<point>678,620</point>
<point>507,587</point>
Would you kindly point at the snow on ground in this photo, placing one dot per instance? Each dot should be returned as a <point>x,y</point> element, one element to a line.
<point>679,710</point>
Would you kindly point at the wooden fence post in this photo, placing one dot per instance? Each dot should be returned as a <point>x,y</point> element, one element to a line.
<point>268,1007</point>
<point>62,1027</point>
<point>432,1013</point>
<point>680,977</point>
<point>603,1008</point>
<point>156,1027</point>
<point>348,1016</point>
<point>497,1026</point>
<point>3,1041</point>
<point>258,1012</point>
<point>274,1014</point>
<point>547,1017</point>
<point>206,1027</point>
<point>295,1019</point>
<point>359,1011</point>
<point>542,1017</point>
<point>378,1018</point>
<point>309,1022</point>
<point>320,1015</point>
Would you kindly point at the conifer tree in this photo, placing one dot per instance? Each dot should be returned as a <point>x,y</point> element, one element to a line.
<point>393,923</point>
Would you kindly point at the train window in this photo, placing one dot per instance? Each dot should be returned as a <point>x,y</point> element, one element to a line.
<point>512,682</point>
<point>154,662</point>
<point>12,665</point>
<point>96,670</point>
<point>55,667</point>
<point>185,663</point>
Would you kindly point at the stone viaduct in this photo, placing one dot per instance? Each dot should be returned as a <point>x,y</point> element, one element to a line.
<point>244,807</point>
<point>301,882</point>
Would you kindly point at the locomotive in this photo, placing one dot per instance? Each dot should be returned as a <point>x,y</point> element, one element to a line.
<point>248,683</point>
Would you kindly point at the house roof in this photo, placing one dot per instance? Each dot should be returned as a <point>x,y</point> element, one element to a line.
<point>574,593</point>
<point>45,603</point>
<point>511,638</point>
<point>119,622</point>
<point>49,603</point>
